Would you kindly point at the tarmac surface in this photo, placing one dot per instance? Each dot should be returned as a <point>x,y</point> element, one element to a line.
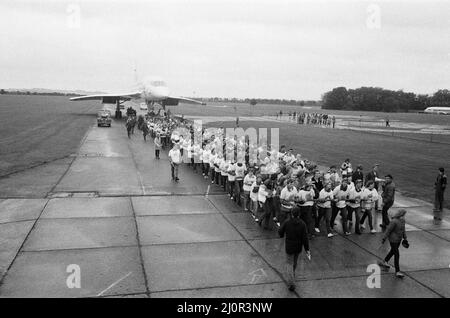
<point>112,210</point>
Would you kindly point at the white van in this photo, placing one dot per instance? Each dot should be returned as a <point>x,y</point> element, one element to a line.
<point>437,110</point>
<point>143,106</point>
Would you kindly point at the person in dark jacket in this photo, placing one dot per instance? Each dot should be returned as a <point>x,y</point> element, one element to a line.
<point>439,187</point>
<point>358,174</point>
<point>296,238</point>
<point>395,232</point>
<point>145,130</point>
<point>388,196</point>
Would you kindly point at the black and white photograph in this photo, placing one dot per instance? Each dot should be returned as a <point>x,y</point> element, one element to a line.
<point>224,153</point>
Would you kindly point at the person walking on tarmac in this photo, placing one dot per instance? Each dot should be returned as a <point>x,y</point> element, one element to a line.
<point>396,234</point>
<point>129,125</point>
<point>157,142</point>
<point>439,187</point>
<point>388,196</point>
<point>145,130</point>
<point>175,160</point>
<point>296,238</point>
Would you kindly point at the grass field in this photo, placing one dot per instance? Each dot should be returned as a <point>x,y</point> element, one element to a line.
<point>217,109</point>
<point>38,129</point>
<point>413,163</point>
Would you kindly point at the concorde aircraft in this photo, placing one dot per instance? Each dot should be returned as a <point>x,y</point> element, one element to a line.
<point>151,90</point>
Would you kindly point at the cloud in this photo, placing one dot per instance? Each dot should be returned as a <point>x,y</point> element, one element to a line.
<point>278,49</point>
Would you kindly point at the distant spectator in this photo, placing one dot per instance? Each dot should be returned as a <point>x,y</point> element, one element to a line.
<point>439,186</point>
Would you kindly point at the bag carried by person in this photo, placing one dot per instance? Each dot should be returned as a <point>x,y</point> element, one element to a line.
<point>405,243</point>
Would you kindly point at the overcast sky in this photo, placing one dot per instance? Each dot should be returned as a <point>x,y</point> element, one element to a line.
<point>273,49</point>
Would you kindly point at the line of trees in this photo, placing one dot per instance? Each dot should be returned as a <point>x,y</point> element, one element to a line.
<point>254,101</point>
<point>17,92</point>
<point>379,99</point>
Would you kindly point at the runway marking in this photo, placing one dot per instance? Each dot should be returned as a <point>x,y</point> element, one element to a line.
<point>114,284</point>
<point>257,274</point>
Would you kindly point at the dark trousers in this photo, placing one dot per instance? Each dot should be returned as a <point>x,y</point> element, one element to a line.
<point>247,202</point>
<point>343,212</point>
<point>223,180</point>
<point>368,214</point>
<point>306,216</point>
<point>291,266</point>
<point>439,200</point>
<point>276,206</point>
<point>384,213</point>
<point>174,168</point>
<point>396,253</point>
<point>324,213</point>
<point>231,189</point>
<point>217,177</point>
<point>283,214</point>
<point>212,173</point>
<point>265,213</point>
<point>157,153</point>
<point>238,192</point>
<point>357,212</point>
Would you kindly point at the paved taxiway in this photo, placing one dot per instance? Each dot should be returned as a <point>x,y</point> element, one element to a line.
<point>113,210</point>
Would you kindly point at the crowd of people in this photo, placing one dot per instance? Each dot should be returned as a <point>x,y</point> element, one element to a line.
<point>304,118</point>
<point>280,188</point>
<point>271,186</point>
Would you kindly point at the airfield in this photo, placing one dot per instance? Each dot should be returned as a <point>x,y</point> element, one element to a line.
<point>111,209</point>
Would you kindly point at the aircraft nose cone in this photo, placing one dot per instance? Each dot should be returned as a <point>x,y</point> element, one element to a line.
<point>161,92</point>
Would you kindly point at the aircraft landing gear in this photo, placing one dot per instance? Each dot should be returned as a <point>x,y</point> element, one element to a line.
<point>118,112</point>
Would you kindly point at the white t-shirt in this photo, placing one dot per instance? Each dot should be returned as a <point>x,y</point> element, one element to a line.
<point>205,156</point>
<point>369,198</point>
<point>288,195</point>
<point>175,155</point>
<point>325,195</point>
<point>231,172</point>
<point>307,196</point>
<point>335,179</point>
<point>240,171</point>
<point>262,193</point>
<point>353,194</point>
<point>289,159</point>
<point>217,163</point>
<point>253,195</point>
<point>223,168</point>
<point>341,196</point>
<point>248,181</point>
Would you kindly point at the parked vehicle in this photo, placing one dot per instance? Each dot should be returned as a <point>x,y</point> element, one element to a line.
<point>104,118</point>
<point>143,106</point>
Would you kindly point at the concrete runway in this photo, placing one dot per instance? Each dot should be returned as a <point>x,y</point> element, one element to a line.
<point>113,210</point>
